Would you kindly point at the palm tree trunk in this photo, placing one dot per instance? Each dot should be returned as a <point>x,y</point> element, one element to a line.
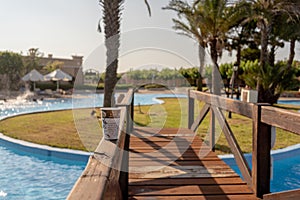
<point>111,20</point>
<point>262,96</point>
<point>216,88</point>
<point>201,52</point>
<point>292,53</point>
<point>264,44</point>
<point>272,56</point>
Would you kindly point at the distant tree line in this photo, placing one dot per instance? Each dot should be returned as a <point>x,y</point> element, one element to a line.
<point>13,66</point>
<point>254,29</point>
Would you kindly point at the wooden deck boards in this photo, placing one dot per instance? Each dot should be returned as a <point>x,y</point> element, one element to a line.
<point>173,164</point>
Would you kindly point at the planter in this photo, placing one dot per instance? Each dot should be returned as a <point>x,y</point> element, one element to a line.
<point>250,96</point>
<point>110,118</point>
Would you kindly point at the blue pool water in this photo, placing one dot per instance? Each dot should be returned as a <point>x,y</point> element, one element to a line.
<point>27,177</point>
<point>36,177</point>
<point>291,102</point>
<point>87,101</point>
<point>286,168</point>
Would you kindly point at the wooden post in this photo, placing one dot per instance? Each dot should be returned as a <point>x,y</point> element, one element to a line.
<point>191,104</point>
<point>212,130</point>
<point>132,113</point>
<point>123,180</point>
<point>261,146</point>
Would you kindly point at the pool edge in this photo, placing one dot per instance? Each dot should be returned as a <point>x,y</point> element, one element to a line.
<point>44,150</point>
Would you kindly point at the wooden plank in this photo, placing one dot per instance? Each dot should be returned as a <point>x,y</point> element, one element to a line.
<point>286,195</point>
<point>196,197</point>
<point>141,131</point>
<point>176,141</point>
<point>189,190</point>
<point>200,117</point>
<point>127,99</point>
<point>190,181</point>
<point>191,110</point>
<point>186,155</point>
<point>160,171</point>
<point>212,130</point>
<point>189,163</point>
<point>281,118</point>
<point>261,158</point>
<point>102,173</point>
<point>179,172</point>
<point>239,107</point>
<point>92,182</point>
<point>170,162</point>
<point>235,148</point>
<point>164,137</point>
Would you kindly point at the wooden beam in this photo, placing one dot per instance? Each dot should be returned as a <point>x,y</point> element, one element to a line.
<point>286,195</point>
<point>212,130</point>
<point>261,159</point>
<point>281,118</point>
<point>200,117</point>
<point>103,171</point>
<point>239,107</point>
<point>235,148</point>
<point>191,107</point>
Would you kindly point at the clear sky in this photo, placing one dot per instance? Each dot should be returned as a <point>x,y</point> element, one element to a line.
<point>69,27</point>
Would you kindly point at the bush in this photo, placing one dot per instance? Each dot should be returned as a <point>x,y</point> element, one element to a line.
<point>53,85</point>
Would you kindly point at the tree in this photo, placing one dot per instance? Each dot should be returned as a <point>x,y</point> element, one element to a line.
<point>11,68</point>
<point>273,79</point>
<point>207,21</point>
<point>190,27</point>
<point>289,31</point>
<point>112,20</point>
<point>51,66</point>
<point>31,61</point>
<point>264,12</point>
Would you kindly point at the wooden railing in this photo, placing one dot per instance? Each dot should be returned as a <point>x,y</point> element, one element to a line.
<point>106,174</point>
<point>263,117</point>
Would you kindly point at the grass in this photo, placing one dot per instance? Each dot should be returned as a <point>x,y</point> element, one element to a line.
<point>240,125</point>
<point>58,128</point>
<point>52,128</point>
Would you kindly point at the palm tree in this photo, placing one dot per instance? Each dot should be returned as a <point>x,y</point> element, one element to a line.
<point>289,31</point>
<point>207,21</point>
<point>189,27</point>
<point>264,12</point>
<point>112,20</point>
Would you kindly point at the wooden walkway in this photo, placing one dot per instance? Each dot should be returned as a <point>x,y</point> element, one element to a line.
<point>173,164</point>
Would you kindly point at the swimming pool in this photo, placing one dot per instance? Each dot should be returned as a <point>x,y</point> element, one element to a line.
<point>32,174</point>
<point>33,177</point>
<point>291,102</point>
<point>286,168</point>
<point>12,108</point>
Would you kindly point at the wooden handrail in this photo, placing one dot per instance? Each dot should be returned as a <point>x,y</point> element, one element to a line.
<point>281,118</point>
<point>231,105</point>
<point>286,195</point>
<point>263,117</point>
<point>107,169</point>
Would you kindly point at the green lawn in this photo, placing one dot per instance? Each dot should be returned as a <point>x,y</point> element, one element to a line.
<point>52,128</point>
<point>240,125</point>
<point>58,128</point>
